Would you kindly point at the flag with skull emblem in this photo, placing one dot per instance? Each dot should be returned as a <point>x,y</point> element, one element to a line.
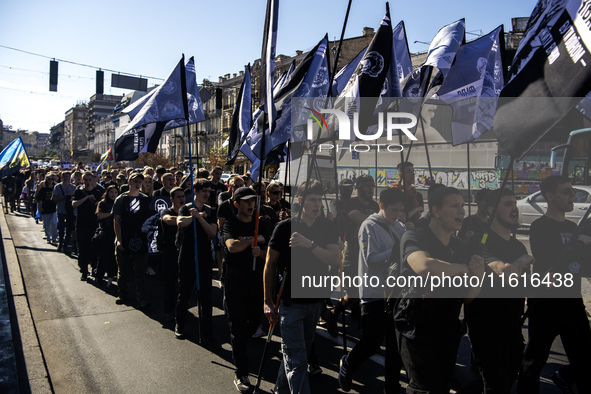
<point>368,79</point>
<point>472,86</point>
<point>161,110</point>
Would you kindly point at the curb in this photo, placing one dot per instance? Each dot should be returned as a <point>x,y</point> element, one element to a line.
<point>32,371</point>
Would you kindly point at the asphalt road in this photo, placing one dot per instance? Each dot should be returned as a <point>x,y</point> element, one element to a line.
<point>92,345</point>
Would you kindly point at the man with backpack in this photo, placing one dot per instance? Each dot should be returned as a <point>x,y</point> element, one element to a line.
<point>379,248</point>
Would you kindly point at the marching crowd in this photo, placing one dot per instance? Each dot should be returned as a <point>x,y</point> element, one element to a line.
<point>104,218</point>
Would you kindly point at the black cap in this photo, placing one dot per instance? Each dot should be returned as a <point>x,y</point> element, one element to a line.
<point>243,193</point>
<point>160,170</point>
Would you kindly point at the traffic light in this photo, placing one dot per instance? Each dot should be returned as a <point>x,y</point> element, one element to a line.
<point>52,76</point>
<point>100,76</point>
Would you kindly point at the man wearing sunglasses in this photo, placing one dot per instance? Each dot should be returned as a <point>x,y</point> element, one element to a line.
<point>557,309</point>
<point>275,200</point>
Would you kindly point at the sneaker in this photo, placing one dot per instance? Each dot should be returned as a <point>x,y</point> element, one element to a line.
<point>562,384</point>
<point>119,300</point>
<point>345,380</point>
<point>243,384</point>
<point>314,369</point>
<point>260,333</point>
<point>84,277</point>
<point>179,333</point>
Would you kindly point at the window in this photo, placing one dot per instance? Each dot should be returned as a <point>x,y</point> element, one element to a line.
<point>538,198</point>
<point>582,196</point>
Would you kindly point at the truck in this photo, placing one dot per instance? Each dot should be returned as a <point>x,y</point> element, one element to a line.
<point>298,170</point>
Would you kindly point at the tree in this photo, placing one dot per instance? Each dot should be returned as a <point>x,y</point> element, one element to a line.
<point>217,157</point>
<point>153,160</point>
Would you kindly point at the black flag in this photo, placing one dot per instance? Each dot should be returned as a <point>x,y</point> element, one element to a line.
<point>550,73</point>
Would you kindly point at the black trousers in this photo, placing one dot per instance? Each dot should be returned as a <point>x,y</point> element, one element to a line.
<point>429,365</point>
<point>376,325</point>
<point>243,303</point>
<point>84,234</point>
<point>498,351</point>
<point>107,262</point>
<point>187,280</point>
<point>547,320</point>
<point>170,278</point>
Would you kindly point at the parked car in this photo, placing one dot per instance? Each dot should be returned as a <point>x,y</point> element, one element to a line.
<point>225,177</point>
<point>535,205</point>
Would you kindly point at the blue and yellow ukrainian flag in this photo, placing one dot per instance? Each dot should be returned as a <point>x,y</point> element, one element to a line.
<point>13,158</point>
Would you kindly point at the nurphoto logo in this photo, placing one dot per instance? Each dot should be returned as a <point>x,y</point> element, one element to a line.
<point>386,121</point>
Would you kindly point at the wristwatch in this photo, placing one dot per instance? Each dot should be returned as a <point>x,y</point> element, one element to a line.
<point>312,245</point>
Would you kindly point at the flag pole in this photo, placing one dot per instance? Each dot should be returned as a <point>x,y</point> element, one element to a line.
<point>426,145</point>
<point>270,334</point>
<point>336,177</point>
<point>469,178</point>
<point>267,60</point>
<point>402,180</point>
<point>186,109</point>
<point>287,168</point>
<point>260,188</point>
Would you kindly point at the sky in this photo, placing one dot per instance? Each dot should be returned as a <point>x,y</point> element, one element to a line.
<point>148,37</point>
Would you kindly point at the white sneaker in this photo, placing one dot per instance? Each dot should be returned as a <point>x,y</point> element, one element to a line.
<point>243,384</point>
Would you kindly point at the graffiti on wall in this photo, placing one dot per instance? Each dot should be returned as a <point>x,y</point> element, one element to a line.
<point>459,178</point>
<point>353,173</point>
<point>456,178</point>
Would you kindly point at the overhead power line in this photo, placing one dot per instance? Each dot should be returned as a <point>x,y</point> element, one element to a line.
<point>45,72</point>
<point>78,64</point>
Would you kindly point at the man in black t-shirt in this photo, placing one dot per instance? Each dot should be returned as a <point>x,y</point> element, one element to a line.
<point>281,207</point>
<point>217,187</point>
<point>9,191</point>
<point>476,224</point>
<point>85,200</point>
<point>427,323</point>
<point>302,247</point>
<point>158,182</point>
<point>555,314</point>
<point>495,318</point>
<point>130,211</point>
<point>167,185</point>
<point>226,210</point>
<point>243,283</point>
<point>47,208</point>
<point>170,255</point>
<point>234,183</point>
<point>205,223</point>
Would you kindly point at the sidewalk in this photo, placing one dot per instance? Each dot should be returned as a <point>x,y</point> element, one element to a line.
<point>22,367</point>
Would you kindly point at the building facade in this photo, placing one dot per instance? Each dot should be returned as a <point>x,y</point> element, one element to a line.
<point>75,136</point>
